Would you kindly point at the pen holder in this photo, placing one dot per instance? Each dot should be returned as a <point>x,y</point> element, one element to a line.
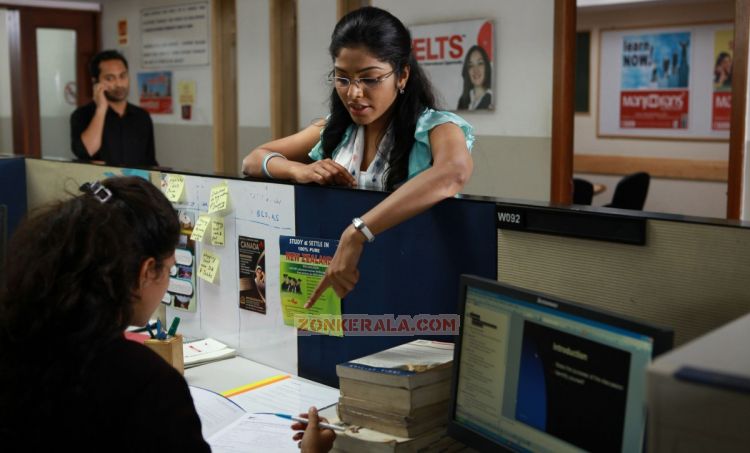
<point>169,350</point>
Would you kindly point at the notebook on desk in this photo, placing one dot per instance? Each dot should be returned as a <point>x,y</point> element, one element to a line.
<point>205,351</point>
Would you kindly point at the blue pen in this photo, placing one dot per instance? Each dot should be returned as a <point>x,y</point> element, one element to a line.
<point>305,421</point>
<point>160,334</point>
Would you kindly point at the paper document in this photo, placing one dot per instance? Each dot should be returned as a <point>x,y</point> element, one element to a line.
<point>214,410</point>
<point>206,350</point>
<point>253,432</point>
<point>289,396</point>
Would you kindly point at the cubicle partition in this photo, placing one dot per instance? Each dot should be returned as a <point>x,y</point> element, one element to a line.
<point>684,273</point>
<point>12,195</point>
<point>411,269</point>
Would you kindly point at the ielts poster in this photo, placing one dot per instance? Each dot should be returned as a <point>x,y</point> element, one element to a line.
<point>655,78</point>
<point>458,57</point>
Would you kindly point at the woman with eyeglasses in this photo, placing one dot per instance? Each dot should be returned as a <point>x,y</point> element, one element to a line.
<point>383,133</point>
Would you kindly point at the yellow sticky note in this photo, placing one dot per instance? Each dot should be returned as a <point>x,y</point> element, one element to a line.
<point>219,200</point>
<point>175,188</point>
<point>200,228</point>
<point>217,231</point>
<point>208,267</point>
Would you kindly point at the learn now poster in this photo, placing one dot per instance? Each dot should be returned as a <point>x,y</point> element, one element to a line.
<point>655,81</point>
<point>459,58</point>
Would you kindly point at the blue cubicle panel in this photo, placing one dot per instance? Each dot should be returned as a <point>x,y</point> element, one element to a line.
<point>13,190</point>
<point>411,269</point>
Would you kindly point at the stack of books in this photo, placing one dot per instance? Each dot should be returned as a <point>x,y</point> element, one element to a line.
<point>403,391</point>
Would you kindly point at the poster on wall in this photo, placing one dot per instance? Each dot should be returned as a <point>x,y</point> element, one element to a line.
<point>156,91</point>
<point>458,58</point>
<point>721,111</point>
<point>175,36</point>
<point>252,264</point>
<point>664,82</point>
<point>655,78</point>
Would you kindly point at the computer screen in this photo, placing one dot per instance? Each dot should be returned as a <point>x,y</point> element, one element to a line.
<point>536,373</point>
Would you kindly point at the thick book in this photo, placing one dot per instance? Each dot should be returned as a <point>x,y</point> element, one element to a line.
<point>365,440</point>
<point>410,365</point>
<point>395,399</point>
<point>391,423</point>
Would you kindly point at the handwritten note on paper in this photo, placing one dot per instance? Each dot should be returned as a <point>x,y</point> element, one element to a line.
<point>218,202</point>
<point>209,266</point>
<point>200,228</point>
<point>217,231</point>
<point>175,188</point>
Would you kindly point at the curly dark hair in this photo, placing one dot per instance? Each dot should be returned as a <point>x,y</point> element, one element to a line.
<point>385,37</point>
<point>75,266</point>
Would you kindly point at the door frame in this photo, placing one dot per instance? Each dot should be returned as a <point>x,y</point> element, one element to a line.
<point>22,24</point>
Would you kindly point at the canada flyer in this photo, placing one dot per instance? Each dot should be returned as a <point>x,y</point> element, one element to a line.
<point>302,266</point>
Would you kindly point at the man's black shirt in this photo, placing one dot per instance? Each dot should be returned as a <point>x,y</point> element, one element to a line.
<point>126,140</point>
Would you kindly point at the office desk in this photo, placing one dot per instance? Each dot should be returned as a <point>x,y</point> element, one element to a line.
<point>235,372</point>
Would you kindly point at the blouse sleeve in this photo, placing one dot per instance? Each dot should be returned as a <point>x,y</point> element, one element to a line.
<point>421,156</point>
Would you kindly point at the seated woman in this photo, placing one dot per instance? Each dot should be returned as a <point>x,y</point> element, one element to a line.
<point>83,270</point>
<point>383,133</point>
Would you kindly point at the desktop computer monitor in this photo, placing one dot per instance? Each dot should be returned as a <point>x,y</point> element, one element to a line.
<point>536,373</point>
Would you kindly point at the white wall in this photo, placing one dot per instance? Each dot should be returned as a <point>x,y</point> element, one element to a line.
<point>253,63</point>
<point>673,196</point>
<point>316,19</point>
<point>130,10</point>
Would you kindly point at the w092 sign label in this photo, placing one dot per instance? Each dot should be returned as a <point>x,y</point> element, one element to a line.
<point>510,218</point>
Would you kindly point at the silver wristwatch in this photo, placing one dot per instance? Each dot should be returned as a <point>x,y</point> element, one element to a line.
<point>360,226</point>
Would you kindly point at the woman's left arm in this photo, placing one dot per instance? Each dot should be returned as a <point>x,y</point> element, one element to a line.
<point>451,168</point>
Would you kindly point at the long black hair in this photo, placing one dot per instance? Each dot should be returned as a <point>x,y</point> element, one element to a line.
<point>70,288</point>
<point>386,38</point>
<point>463,102</point>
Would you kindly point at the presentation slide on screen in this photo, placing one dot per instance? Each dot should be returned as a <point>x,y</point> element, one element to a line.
<point>572,388</point>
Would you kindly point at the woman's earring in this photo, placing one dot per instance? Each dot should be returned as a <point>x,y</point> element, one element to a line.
<point>401,90</point>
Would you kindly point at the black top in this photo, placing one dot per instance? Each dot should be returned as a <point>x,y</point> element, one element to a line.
<point>132,401</point>
<point>126,140</point>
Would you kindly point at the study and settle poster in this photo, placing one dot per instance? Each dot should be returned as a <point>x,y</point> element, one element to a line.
<point>303,264</point>
<point>459,60</point>
<point>655,81</point>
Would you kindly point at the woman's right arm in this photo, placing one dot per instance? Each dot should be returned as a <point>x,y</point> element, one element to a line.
<point>297,166</point>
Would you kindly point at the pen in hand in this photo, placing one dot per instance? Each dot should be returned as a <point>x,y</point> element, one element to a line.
<point>304,421</point>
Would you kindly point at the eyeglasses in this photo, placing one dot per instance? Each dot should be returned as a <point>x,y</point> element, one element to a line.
<point>343,83</point>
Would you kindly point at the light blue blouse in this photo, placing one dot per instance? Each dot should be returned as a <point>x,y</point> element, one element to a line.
<point>420,157</point>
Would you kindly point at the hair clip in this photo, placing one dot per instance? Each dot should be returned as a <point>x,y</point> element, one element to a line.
<point>98,190</point>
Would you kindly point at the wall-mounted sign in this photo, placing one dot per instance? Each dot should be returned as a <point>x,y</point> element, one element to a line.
<point>459,59</point>
<point>174,36</point>
<point>669,82</point>
<point>156,91</point>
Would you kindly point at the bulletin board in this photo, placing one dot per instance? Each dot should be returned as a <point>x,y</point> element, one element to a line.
<point>666,82</point>
<point>262,211</point>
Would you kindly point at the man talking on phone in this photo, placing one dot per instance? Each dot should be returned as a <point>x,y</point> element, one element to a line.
<point>109,129</point>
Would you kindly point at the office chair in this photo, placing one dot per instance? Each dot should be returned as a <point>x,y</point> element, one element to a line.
<point>631,192</point>
<point>583,191</point>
